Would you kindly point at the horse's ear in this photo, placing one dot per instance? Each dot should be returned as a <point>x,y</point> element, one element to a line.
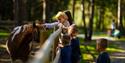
<point>34,25</point>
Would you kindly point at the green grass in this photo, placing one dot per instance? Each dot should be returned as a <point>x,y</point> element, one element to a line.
<point>92,49</point>
<point>3,34</point>
<point>100,34</point>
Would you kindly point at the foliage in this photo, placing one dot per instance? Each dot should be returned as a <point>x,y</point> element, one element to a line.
<point>53,6</point>
<point>34,9</point>
<point>6,9</point>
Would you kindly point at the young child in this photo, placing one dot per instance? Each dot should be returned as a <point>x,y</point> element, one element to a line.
<point>61,18</point>
<point>65,56</point>
<point>76,54</point>
<point>70,19</point>
<point>101,46</point>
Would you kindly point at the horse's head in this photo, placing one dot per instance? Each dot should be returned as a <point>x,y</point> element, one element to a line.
<point>32,27</point>
<point>35,28</point>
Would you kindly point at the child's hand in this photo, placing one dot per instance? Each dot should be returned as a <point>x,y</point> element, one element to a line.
<point>60,25</point>
<point>60,45</point>
<point>41,26</point>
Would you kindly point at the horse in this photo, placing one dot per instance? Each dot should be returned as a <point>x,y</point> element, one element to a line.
<point>19,42</point>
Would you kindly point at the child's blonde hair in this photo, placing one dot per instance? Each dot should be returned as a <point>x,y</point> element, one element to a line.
<point>61,14</point>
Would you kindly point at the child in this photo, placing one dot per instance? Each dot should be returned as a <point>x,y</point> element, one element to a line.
<point>76,54</point>
<point>101,48</point>
<point>65,56</point>
<point>61,19</point>
<point>113,27</point>
<point>70,19</point>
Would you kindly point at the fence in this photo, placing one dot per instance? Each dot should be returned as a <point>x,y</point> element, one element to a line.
<point>46,54</point>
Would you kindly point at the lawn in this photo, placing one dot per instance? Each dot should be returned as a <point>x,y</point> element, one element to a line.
<point>89,52</point>
<point>88,49</point>
<point>3,34</point>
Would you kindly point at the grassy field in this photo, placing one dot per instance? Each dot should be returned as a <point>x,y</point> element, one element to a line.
<point>115,49</point>
<point>4,34</point>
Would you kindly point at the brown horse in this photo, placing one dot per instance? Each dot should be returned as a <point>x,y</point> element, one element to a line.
<point>18,43</point>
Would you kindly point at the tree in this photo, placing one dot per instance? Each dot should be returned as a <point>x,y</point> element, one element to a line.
<point>120,24</point>
<point>88,30</point>
<point>6,9</point>
<point>73,8</point>
<point>44,10</point>
<point>20,11</point>
<point>91,20</point>
<point>101,4</point>
<point>83,18</point>
<point>16,11</point>
<point>53,6</point>
<point>35,9</point>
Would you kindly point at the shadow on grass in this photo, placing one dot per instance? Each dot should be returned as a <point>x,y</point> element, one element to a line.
<point>89,52</point>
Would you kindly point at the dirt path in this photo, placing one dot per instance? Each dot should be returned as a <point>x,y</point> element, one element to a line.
<point>118,57</point>
<point>4,56</point>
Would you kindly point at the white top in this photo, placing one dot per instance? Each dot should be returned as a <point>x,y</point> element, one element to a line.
<point>113,26</point>
<point>52,25</point>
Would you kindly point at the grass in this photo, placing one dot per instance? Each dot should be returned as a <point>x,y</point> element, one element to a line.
<point>90,49</point>
<point>87,56</point>
<point>3,34</point>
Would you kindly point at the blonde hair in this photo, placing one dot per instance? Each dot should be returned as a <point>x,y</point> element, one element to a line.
<point>59,14</point>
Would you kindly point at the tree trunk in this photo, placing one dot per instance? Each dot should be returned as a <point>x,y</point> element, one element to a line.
<point>29,5</point>
<point>20,11</point>
<point>101,19</point>
<point>120,24</point>
<point>23,10</point>
<point>119,9</point>
<point>90,31</point>
<point>44,10</point>
<point>48,10</point>
<point>83,18</point>
<point>16,11</point>
<point>73,8</point>
<point>98,23</point>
